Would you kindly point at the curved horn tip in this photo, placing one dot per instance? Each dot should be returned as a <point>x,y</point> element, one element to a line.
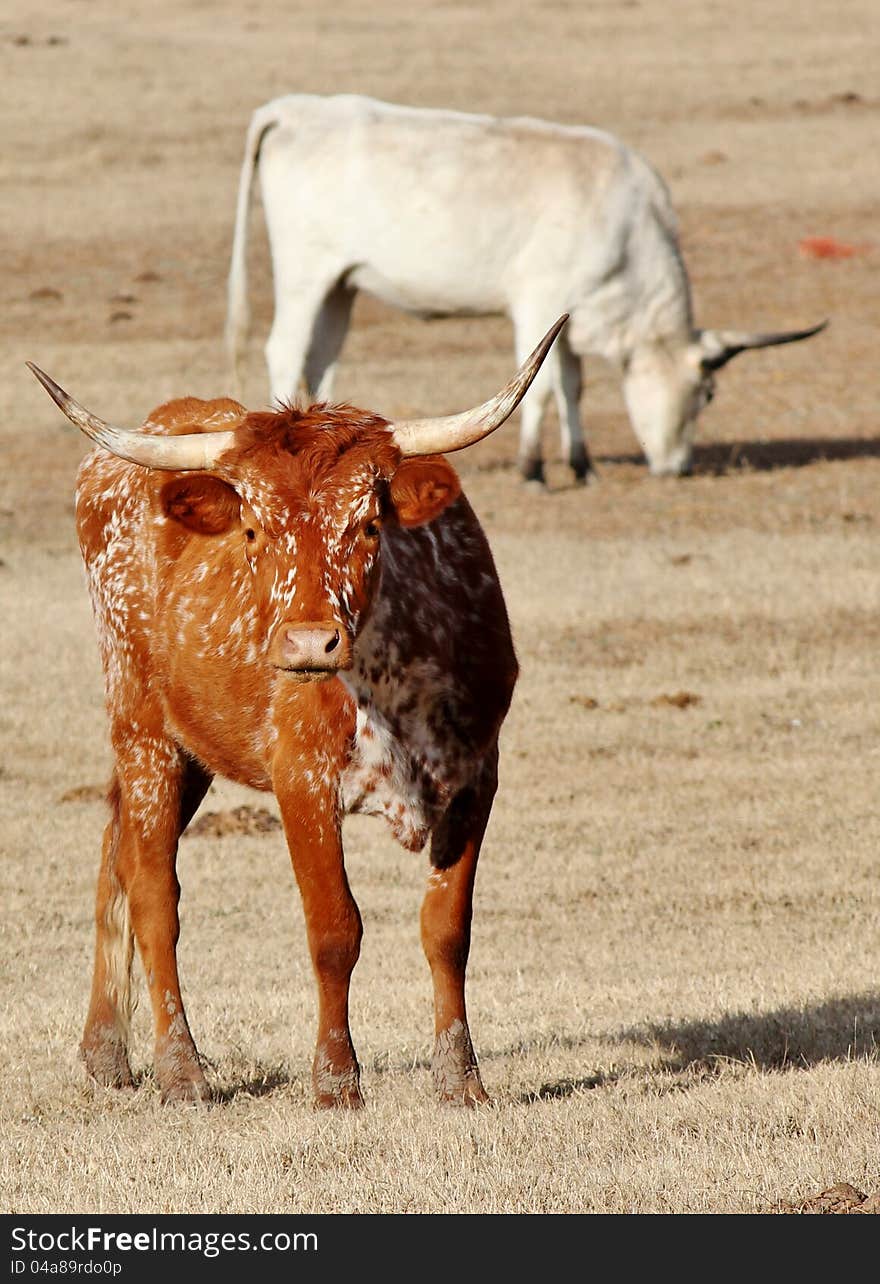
<point>554,330</point>
<point>536,357</point>
<point>809,331</point>
<point>453,432</point>
<point>47,381</point>
<point>188,452</point>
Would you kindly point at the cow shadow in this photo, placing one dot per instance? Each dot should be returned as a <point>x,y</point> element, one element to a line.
<point>841,1029</point>
<point>718,459</point>
<point>262,1083</point>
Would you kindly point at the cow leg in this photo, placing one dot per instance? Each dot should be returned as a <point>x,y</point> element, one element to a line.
<point>291,336</point>
<point>312,825</point>
<point>153,796</point>
<point>328,336</point>
<point>446,935</point>
<point>567,389</point>
<point>527,330</point>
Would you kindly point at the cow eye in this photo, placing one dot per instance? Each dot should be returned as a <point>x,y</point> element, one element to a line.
<point>250,535</point>
<point>372,528</point>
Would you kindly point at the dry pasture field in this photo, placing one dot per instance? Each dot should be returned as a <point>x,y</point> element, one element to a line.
<point>673,987</point>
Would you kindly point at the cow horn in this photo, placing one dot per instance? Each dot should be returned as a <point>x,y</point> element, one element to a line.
<point>717,347</point>
<point>454,432</point>
<point>186,453</point>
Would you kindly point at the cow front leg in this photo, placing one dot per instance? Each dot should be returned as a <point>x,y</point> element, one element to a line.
<point>528,326</point>
<point>567,384</point>
<point>155,792</point>
<point>312,825</point>
<point>531,457</point>
<point>446,935</point>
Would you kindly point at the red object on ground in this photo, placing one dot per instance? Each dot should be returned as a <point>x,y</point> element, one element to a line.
<point>826,247</point>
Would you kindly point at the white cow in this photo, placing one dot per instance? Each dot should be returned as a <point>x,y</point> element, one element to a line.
<point>446,213</point>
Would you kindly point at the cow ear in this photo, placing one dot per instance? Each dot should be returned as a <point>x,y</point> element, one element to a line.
<point>422,488</point>
<point>201,503</point>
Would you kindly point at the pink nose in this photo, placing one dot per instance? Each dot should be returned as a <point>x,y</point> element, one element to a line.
<point>312,646</point>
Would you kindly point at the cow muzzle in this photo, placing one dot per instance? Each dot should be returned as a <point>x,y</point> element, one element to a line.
<point>310,650</point>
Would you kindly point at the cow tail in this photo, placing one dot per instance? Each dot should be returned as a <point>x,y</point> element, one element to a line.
<point>237,318</point>
<point>118,945</point>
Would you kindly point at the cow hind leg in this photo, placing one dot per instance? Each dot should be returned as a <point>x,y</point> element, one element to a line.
<point>328,336</point>
<point>137,901</point>
<point>446,933</point>
<point>298,305</point>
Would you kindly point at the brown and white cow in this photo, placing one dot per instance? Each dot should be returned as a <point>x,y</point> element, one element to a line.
<point>302,601</point>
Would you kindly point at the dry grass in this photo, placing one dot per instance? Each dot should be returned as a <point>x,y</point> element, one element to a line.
<point>674,980</point>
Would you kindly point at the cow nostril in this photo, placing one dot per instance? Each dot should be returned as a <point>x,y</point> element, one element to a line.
<point>332,644</point>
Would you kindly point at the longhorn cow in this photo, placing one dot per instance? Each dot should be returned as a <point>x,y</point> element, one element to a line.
<point>445,213</point>
<point>302,601</point>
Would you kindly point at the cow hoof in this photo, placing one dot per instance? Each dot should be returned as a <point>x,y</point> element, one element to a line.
<point>106,1061</point>
<point>349,1099</point>
<point>336,1075</point>
<point>532,473</point>
<point>194,1091</point>
<point>456,1075</point>
<point>336,1088</point>
<point>471,1093</point>
<point>178,1072</point>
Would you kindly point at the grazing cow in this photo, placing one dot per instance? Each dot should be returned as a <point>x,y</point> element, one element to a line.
<point>446,213</point>
<point>301,601</point>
